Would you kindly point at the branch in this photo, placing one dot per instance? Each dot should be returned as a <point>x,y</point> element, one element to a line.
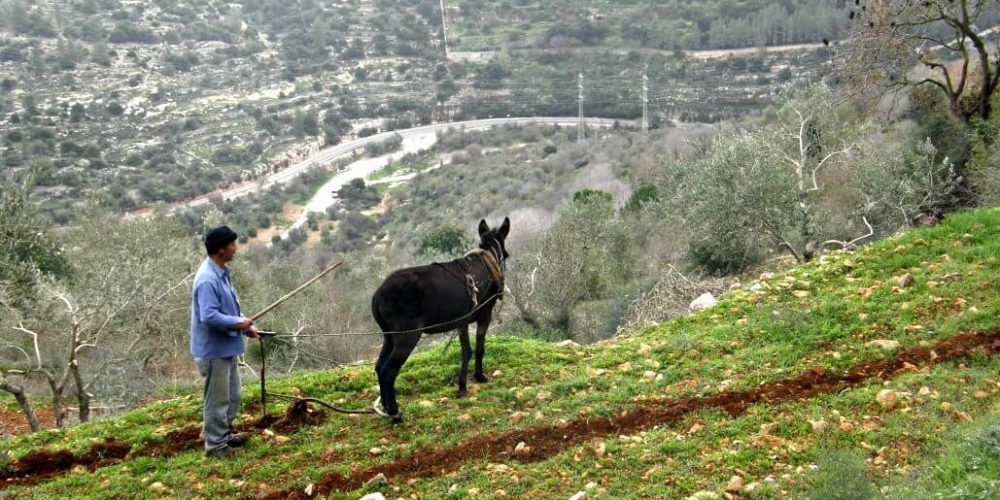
<point>965,67</point>
<point>34,336</point>
<point>935,82</point>
<point>802,150</point>
<point>790,248</point>
<point>820,165</point>
<point>949,89</point>
<point>848,244</point>
<point>940,43</point>
<point>69,307</point>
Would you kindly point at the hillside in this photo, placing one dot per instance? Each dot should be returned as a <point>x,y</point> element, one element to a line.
<point>792,385</point>
<point>130,104</point>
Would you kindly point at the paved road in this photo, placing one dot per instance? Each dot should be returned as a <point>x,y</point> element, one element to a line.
<point>487,55</point>
<point>414,140</point>
<point>339,151</point>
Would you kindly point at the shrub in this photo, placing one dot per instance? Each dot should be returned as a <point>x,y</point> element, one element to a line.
<point>646,193</point>
<point>447,240</point>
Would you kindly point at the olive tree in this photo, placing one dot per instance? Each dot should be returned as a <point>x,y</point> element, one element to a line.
<point>584,255</point>
<point>953,41</point>
<point>813,177</point>
<point>125,303</point>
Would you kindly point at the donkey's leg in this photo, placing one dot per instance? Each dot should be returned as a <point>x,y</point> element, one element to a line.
<point>481,327</point>
<point>463,371</point>
<point>384,353</point>
<point>402,347</point>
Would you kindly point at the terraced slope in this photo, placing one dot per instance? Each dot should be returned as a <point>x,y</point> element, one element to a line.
<point>838,374</point>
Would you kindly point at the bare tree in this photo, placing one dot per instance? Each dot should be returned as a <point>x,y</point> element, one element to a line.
<point>20,395</point>
<point>809,139</point>
<point>77,328</point>
<point>944,37</point>
<point>806,181</point>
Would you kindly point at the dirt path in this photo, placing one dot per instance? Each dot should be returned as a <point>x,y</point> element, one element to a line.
<point>41,465</point>
<point>547,441</point>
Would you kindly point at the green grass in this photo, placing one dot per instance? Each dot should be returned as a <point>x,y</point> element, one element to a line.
<point>919,448</point>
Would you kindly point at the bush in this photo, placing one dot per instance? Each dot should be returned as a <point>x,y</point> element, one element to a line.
<point>646,193</point>
<point>448,240</point>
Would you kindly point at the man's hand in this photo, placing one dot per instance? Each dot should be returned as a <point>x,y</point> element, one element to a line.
<point>244,325</point>
<point>252,332</point>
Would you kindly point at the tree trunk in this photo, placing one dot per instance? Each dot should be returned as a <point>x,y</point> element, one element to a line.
<point>57,410</point>
<point>22,400</point>
<point>81,392</point>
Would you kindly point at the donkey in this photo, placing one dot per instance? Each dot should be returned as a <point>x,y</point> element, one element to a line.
<point>438,298</point>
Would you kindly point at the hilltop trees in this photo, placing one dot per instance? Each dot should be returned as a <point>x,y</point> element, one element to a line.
<point>955,42</point>
<point>939,51</point>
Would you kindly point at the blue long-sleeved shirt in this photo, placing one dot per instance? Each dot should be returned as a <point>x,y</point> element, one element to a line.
<point>215,312</point>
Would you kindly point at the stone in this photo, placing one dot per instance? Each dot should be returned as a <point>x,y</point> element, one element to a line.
<point>580,495</point>
<point>905,280</point>
<point>377,479</point>
<point>704,301</point>
<point>735,484</point>
<point>373,496</point>
<point>704,495</point>
<point>819,426</point>
<point>888,398</point>
<point>888,345</point>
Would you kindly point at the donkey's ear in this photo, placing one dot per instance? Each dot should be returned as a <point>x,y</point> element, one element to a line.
<point>483,227</point>
<point>504,228</point>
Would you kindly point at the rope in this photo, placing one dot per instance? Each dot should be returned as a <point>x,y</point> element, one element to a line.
<point>320,402</point>
<point>296,399</point>
<point>403,332</point>
<point>317,356</point>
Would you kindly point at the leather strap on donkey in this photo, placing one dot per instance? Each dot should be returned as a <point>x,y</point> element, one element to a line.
<point>490,261</point>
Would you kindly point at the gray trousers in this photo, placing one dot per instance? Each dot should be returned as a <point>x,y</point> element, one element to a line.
<point>222,398</point>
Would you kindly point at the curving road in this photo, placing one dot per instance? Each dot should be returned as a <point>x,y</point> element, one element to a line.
<point>339,151</point>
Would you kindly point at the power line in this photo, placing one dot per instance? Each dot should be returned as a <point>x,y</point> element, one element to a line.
<point>580,123</point>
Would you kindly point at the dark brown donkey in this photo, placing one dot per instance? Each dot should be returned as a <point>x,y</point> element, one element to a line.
<point>438,298</point>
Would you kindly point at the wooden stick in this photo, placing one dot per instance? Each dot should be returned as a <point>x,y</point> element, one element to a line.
<point>291,294</point>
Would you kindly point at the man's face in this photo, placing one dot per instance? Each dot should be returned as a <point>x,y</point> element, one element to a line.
<point>227,252</point>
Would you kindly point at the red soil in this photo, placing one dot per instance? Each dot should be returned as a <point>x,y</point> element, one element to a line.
<point>547,441</point>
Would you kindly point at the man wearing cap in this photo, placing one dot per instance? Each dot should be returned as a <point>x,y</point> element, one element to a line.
<point>217,330</point>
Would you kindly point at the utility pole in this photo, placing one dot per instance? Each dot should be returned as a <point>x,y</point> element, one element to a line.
<point>645,100</point>
<point>444,30</point>
<point>580,123</point>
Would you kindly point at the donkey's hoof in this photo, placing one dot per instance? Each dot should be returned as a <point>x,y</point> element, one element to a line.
<point>397,419</point>
<point>481,378</point>
<point>377,408</point>
<point>462,393</point>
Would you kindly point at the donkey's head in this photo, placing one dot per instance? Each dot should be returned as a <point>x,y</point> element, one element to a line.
<point>492,240</point>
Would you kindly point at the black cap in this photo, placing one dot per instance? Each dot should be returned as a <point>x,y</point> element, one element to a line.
<point>217,238</point>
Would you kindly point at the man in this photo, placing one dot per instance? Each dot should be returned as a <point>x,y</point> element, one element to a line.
<point>216,340</point>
